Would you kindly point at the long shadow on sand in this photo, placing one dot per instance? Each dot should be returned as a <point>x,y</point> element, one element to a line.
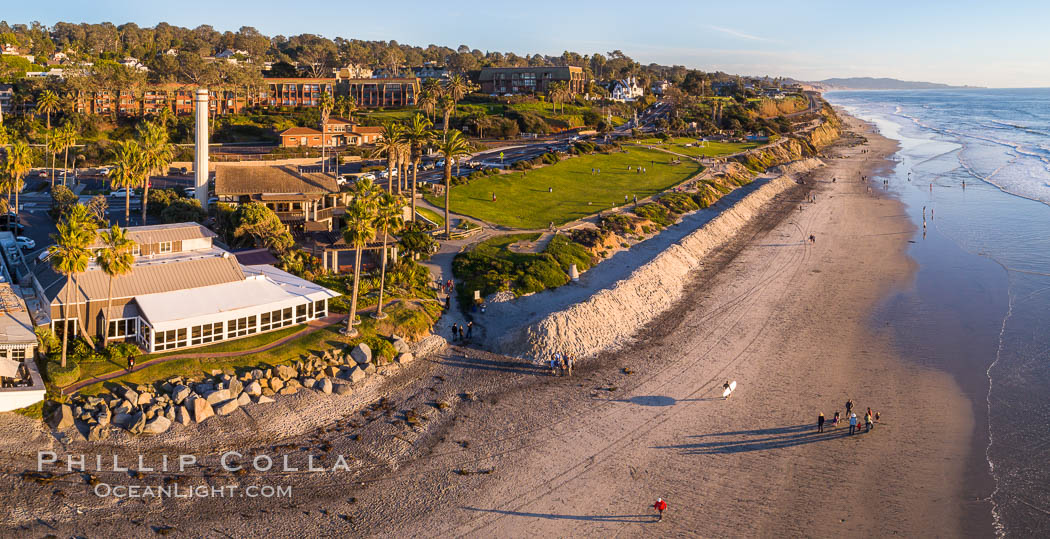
<point>589,518</point>
<point>661,400</point>
<point>761,439</point>
<point>504,365</point>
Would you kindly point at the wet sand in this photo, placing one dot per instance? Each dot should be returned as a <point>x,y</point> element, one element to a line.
<point>505,450</point>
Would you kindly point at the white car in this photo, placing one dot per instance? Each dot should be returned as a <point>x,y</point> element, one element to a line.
<point>191,192</point>
<point>25,243</point>
<point>119,193</point>
<point>368,176</point>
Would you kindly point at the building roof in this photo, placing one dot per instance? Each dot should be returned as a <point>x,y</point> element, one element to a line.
<point>152,275</point>
<point>367,130</point>
<point>488,73</point>
<point>253,180</point>
<point>264,286</point>
<point>145,235</point>
<point>337,120</point>
<point>254,257</point>
<point>16,326</point>
<point>296,131</point>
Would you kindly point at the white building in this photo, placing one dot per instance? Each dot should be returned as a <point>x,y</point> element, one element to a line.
<point>133,63</point>
<point>625,89</point>
<point>20,383</point>
<point>182,292</point>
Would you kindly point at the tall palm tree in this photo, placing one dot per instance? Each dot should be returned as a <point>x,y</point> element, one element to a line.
<point>447,105</point>
<point>115,259</point>
<point>429,92</point>
<point>68,136</point>
<point>404,154</point>
<point>126,172</point>
<point>326,111</point>
<point>17,163</point>
<point>70,256</point>
<point>455,145</point>
<point>387,145</point>
<point>419,136</point>
<point>48,103</point>
<point>456,88</point>
<point>54,147</point>
<point>388,219</point>
<point>157,154</point>
<point>360,229</point>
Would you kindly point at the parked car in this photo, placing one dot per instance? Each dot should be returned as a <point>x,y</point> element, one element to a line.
<point>427,166</point>
<point>119,193</point>
<point>43,256</point>
<point>191,192</point>
<point>368,176</point>
<point>25,243</point>
<point>17,228</point>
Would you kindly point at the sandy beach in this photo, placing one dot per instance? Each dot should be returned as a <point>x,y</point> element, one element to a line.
<point>504,450</point>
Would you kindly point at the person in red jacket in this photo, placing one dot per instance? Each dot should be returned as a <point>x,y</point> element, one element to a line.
<point>660,506</point>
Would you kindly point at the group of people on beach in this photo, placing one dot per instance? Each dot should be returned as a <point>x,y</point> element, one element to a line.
<point>870,419</point>
<point>562,364</point>
<point>464,332</point>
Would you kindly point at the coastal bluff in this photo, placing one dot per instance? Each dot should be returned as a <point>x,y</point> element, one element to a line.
<point>608,316</point>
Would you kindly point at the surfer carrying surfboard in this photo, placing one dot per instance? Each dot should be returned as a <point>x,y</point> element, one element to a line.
<point>727,389</point>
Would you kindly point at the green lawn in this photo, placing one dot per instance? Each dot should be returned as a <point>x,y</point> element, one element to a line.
<point>432,215</point>
<point>711,149</point>
<point>523,202</point>
<point>290,351</point>
<point>383,116</point>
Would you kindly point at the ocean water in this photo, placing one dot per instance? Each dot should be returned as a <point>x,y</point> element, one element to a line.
<point>974,174</point>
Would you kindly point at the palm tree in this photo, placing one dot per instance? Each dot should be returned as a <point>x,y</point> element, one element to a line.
<point>346,105</point>
<point>17,164</point>
<point>68,137</point>
<point>360,229</point>
<point>157,154</point>
<point>54,147</point>
<point>69,256</point>
<point>126,171</point>
<point>388,218</point>
<point>419,136</point>
<point>387,145</point>
<point>115,259</point>
<point>447,105</point>
<point>404,151</point>
<point>429,93</point>
<point>456,88</point>
<point>48,103</point>
<point>326,111</point>
<point>455,145</point>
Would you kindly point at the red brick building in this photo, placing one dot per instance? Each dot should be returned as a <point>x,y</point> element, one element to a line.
<point>529,80</point>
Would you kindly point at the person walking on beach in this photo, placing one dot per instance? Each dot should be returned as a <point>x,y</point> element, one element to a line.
<point>554,362</point>
<point>725,387</point>
<point>820,422</point>
<point>570,362</point>
<point>455,331</point>
<point>835,420</point>
<point>849,406</point>
<point>470,328</point>
<point>867,423</point>
<point>852,424</point>
<point>448,302</point>
<point>660,507</point>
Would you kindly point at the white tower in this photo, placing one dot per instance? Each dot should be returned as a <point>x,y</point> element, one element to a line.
<point>200,149</point>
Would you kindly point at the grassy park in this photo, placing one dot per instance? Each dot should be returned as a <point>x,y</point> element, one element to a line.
<point>524,201</point>
<point>709,149</point>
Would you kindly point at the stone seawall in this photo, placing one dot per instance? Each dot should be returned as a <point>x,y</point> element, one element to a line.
<point>610,316</point>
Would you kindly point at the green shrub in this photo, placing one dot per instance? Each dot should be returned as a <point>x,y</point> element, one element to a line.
<point>566,253</point>
<point>63,376</point>
<point>617,223</point>
<point>679,202</point>
<point>655,212</point>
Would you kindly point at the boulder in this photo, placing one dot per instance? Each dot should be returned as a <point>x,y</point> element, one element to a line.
<point>244,399</point>
<point>182,417</point>
<point>293,383</point>
<point>401,346</point>
<point>93,401</point>
<point>122,420</point>
<point>263,399</point>
<point>405,358</point>
<point>200,409</point>
<point>158,425</point>
<point>267,392</point>
<point>130,395</point>
<point>144,398</point>
<point>341,389</point>
<point>288,390</point>
<point>61,418</point>
<point>203,388</point>
<point>331,371</point>
<point>308,382</point>
<point>361,354</point>
<point>369,368</point>
<point>180,393</point>
<point>227,407</point>
<point>169,412</point>
<point>357,374</point>
<point>104,417</point>
<point>138,422</point>
<point>217,396</point>
<point>276,384</point>
<point>285,372</point>
<point>97,433</point>
<point>235,386</point>
<point>257,374</point>
<point>325,386</point>
<point>253,389</point>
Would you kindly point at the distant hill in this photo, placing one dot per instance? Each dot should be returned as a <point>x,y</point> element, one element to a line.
<point>872,83</point>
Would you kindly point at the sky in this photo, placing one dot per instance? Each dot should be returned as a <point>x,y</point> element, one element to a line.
<point>992,44</point>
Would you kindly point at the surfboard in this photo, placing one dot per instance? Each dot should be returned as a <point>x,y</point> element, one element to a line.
<point>732,386</point>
